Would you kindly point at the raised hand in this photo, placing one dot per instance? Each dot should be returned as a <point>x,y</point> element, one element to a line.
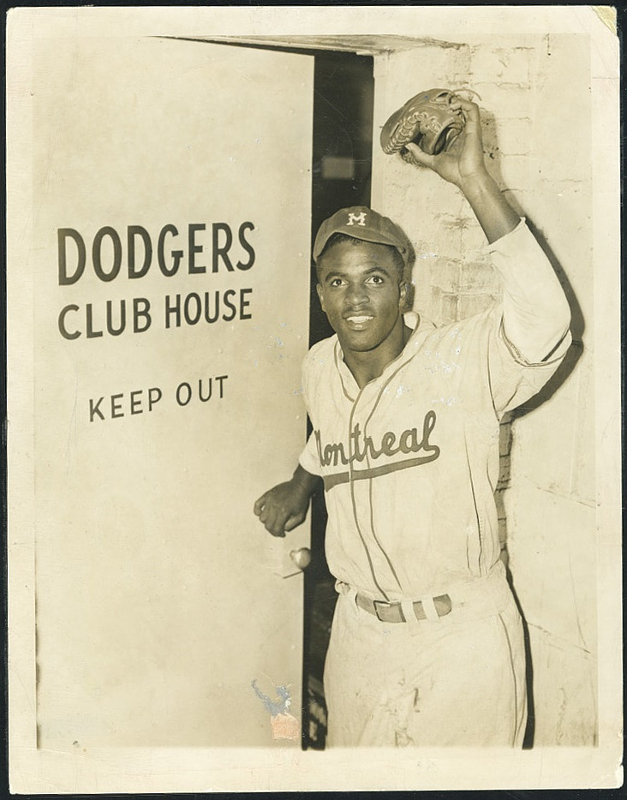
<point>463,161</point>
<point>463,164</point>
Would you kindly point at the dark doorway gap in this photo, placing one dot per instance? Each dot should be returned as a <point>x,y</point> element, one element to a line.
<point>342,135</point>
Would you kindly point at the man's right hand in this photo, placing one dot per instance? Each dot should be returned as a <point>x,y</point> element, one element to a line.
<point>284,507</point>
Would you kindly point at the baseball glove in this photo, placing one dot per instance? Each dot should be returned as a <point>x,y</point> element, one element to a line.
<point>432,120</point>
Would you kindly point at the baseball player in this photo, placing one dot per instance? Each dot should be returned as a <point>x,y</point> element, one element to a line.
<point>426,646</point>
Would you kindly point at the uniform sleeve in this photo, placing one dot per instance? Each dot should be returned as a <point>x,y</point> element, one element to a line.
<point>523,340</point>
<point>309,459</point>
<point>512,378</point>
<point>536,314</point>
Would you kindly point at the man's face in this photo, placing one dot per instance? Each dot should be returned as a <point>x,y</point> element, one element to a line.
<point>361,292</point>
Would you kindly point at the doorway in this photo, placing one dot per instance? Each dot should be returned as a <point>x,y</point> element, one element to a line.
<point>341,173</point>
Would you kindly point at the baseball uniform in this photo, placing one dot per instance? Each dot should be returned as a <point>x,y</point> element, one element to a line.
<point>410,463</point>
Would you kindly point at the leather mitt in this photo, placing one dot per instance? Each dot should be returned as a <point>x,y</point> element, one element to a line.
<point>431,119</point>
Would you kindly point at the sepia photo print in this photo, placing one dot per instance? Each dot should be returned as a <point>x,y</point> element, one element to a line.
<point>313,406</point>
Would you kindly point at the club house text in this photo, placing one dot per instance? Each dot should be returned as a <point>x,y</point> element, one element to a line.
<point>169,253</point>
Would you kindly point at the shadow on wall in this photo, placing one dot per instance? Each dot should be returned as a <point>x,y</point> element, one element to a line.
<point>530,730</point>
<point>577,328</point>
<point>410,296</point>
<point>507,432</point>
<point>573,355</point>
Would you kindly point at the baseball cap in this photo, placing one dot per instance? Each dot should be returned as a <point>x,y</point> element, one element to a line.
<point>362,223</point>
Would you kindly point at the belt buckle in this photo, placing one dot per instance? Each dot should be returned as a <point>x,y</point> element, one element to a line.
<point>383,604</point>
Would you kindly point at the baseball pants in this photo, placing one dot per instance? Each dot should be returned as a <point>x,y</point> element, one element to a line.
<point>458,680</point>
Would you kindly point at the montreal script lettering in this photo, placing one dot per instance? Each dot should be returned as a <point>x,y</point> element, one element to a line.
<point>409,441</point>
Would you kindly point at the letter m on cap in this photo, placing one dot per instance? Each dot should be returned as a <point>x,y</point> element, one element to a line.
<point>357,219</point>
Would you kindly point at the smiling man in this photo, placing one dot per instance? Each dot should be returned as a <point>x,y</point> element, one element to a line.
<point>426,647</point>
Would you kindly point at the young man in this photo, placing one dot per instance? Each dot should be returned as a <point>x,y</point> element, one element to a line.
<point>426,646</point>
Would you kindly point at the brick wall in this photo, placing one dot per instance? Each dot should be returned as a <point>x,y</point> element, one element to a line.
<point>536,125</point>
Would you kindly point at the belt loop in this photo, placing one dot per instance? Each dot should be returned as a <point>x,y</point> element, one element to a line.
<point>411,620</point>
<point>350,593</point>
<point>351,597</point>
<point>429,608</point>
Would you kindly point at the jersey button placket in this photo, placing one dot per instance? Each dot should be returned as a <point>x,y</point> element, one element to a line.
<point>361,491</point>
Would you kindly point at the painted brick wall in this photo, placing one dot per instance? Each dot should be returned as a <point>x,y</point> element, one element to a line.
<point>536,125</point>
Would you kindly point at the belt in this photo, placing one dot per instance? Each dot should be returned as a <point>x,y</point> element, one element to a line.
<point>393,612</point>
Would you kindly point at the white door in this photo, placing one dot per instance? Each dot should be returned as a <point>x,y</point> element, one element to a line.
<point>170,270</point>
